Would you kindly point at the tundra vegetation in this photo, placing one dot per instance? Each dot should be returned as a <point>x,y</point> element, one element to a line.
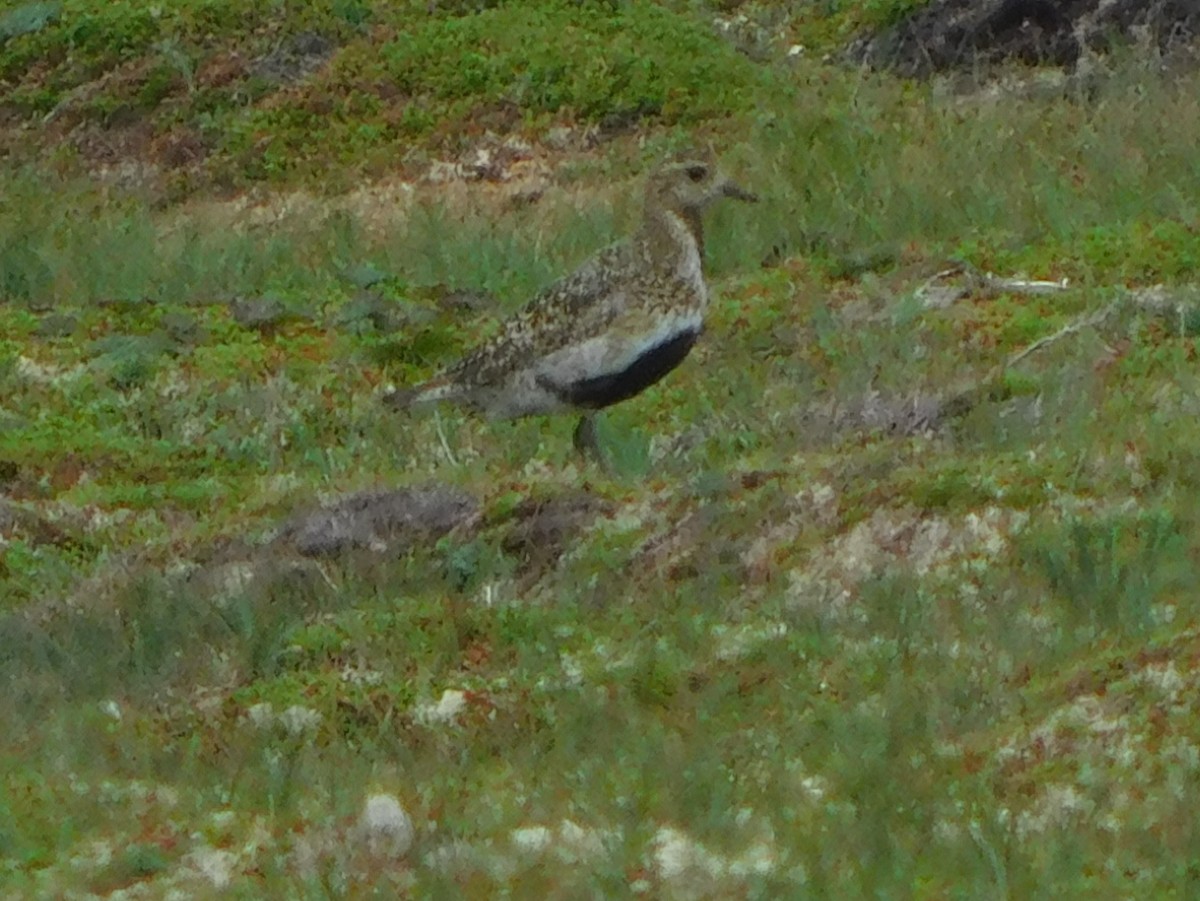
<point>891,592</point>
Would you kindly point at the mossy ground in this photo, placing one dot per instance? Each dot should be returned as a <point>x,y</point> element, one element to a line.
<point>790,655</point>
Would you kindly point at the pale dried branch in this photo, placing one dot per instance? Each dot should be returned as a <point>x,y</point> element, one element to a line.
<point>937,292</point>
<point>990,385</point>
<point>1075,326</point>
<point>1180,305</point>
<point>1026,286</point>
<point>442,439</point>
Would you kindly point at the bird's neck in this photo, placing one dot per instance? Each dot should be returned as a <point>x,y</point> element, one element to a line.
<point>673,240</point>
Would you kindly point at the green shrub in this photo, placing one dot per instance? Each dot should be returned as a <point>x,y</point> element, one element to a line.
<point>528,63</point>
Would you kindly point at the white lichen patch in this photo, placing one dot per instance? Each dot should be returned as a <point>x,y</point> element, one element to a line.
<point>573,669</point>
<point>460,859</point>
<point>1135,731</point>
<point>261,716</point>
<point>1090,712</point>
<point>758,557</point>
<point>357,674</point>
<point>815,787</point>
<point>1059,806</point>
<point>760,859</point>
<point>569,842</point>
<point>214,866</point>
<point>1165,679</point>
<point>736,642</point>
<point>686,863</point>
<point>98,520</point>
<point>581,843</point>
<point>170,384</point>
<point>598,662</point>
<point>447,709</point>
<point>230,580</point>
<point>690,869</point>
<point>938,549</point>
<point>32,372</point>
<point>532,839</point>
<point>820,503</point>
<point>630,518</point>
<point>95,855</point>
<point>1065,731</point>
<point>222,820</point>
<point>298,719</point>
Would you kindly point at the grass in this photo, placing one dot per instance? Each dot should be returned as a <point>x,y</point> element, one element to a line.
<point>785,654</point>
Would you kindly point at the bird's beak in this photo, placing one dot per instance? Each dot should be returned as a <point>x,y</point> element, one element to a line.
<point>729,189</point>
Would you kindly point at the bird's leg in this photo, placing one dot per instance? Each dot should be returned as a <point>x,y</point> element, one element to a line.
<point>587,442</point>
<point>585,436</point>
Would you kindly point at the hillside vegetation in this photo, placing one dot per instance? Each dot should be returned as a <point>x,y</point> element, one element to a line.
<point>891,594</point>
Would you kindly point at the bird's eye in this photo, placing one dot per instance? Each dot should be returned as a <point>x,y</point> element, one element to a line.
<point>696,173</point>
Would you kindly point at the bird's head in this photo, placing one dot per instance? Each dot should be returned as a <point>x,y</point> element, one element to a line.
<point>689,183</point>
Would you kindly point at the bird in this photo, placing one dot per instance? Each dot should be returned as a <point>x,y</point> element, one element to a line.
<point>603,334</point>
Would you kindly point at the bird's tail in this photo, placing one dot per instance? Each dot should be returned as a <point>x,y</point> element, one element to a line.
<point>430,392</point>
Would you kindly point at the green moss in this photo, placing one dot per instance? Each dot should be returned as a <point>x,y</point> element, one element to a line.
<point>961,485</point>
<point>1142,251</point>
<point>954,487</point>
<point>424,74</point>
<point>642,60</point>
<point>528,63</point>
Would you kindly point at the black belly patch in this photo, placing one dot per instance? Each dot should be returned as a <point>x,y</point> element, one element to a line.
<point>613,387</point>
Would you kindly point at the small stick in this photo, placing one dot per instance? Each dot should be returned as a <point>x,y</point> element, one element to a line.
<point>1024,285</point>
<point>1069,329</point>
<point>437,419</point>
<point>962,402</point>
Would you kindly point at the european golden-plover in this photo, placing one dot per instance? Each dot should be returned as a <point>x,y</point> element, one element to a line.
<point>608,331</point>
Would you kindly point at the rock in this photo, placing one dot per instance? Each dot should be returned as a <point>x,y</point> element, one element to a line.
<point>465,300</point>
<point>264,314</point>
<point>457,300</point>
<point>295,58</point>
<point>368,312</point>
<point>917,413</point>
<point>57,325</point>
<point>874,413</point>
<point>385,827</point>
<point>949,35</point>
<point>257,312</point>
<point>126,304</point>
<point>543,529</point>
<point>387,521</point>
<point>183,328</point>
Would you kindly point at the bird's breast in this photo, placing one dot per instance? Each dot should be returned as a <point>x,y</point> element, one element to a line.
<point>642,367</point>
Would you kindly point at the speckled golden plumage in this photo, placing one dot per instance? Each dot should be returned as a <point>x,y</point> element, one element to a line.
<point>608,330</point>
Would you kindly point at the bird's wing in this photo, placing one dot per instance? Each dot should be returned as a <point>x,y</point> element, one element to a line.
<point>658,312</point>
<point>576,306</point>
